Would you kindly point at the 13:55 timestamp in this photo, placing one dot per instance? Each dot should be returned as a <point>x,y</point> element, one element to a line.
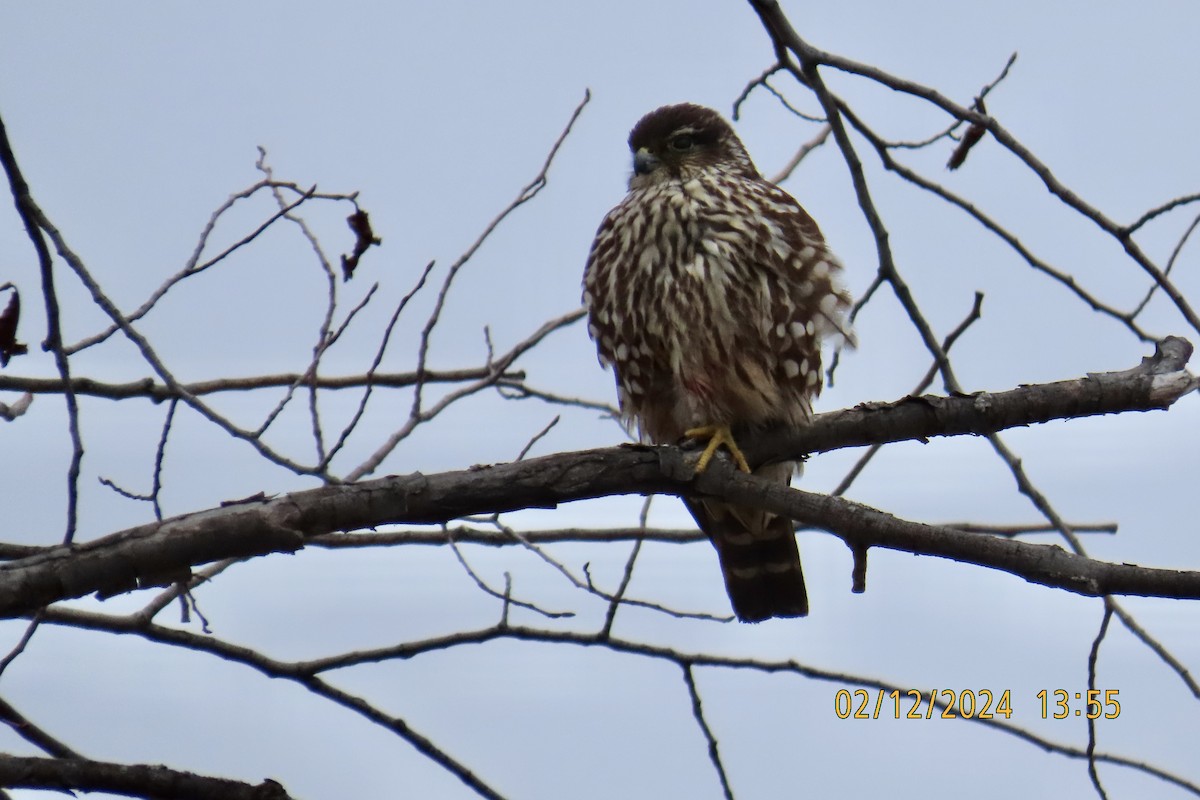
<point>1060,704</point>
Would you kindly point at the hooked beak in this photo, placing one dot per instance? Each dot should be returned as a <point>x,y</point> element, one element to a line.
<point>644,162</point>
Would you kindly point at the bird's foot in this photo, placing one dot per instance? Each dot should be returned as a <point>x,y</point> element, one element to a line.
<point>716,435</point>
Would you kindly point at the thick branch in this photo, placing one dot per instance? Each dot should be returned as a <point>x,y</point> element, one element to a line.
<point>1156,383</point>
<point>861,527</point>
<point>153,553</point>
<point>135,780</point>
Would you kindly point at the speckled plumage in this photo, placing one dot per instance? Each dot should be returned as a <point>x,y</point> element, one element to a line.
<point>709,290</point>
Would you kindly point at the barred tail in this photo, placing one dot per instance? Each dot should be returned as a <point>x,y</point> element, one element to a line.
<point>759,559</point>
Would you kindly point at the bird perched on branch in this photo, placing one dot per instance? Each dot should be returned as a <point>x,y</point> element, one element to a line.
<point>709,290</point>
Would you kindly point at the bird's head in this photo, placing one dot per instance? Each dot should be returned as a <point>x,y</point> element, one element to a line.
<point>681,141</point>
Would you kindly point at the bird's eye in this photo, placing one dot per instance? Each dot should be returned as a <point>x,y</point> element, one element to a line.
<point>682,143</point>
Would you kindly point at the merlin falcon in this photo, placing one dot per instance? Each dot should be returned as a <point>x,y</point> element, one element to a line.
<point>709,291</point>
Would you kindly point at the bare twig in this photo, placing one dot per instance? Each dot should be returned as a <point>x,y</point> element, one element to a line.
<point>33,734</point>
<point>1156,647</point>
<point>1020,530</point>
<point>1091,684</point>
<point>611,615</point>
<point>1158,211</point>
<point>21,644</point>
<point>1170,266</point>
<point>139,780</point>
<point>714,754</point>
<point>152,390</point>
<point>31,217</point>
<point>417,413</point>
<point>812,144</point>
<point>499,367</point>
<point>922,385</point>
<point>465,535</point>
<point>298,672</point>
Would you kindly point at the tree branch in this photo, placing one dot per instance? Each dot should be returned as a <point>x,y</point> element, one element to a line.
<point>30,216</point>
<point>158,392</point>
<point>784,39</point>
<point>137,780</point>
<point>1156,383</point>
<point>152,554</point>
<point>306,672</point>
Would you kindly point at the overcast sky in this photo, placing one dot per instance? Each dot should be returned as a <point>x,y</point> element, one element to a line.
<point>134,121</point>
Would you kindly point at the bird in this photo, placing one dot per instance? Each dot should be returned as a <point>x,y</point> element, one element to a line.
<point>709,291</point>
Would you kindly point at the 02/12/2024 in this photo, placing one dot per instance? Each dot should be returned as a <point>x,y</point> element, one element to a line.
<point>970,704</point>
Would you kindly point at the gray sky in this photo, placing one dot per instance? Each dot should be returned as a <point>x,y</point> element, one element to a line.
<point>134,121</point>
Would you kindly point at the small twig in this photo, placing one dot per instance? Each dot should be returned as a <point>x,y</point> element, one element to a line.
<point>157,392</point>
<point>35,228</point>
<point>527,193</point>
<point>589,586</point>
<point>611,615</point>
<point>714,754</point>
<point>1157,648</point>
<point>498,368</point>
<point>821,136</point>
<point>1091,684</point>
<point>151,357</point>
<point>1167,270</point>
<point>1020,530</point>
<point>31,733</point>
<point>750,87</point>
<point>20,646</point>
<point>160,453</point>
<point>324,333</point>
<point>519,390</point>
<point>194,265</point>
<point>126,493</point>
<point>372,379</point>
<point>1158,211</point>
<point>536,438</point>
<point>974,314</point>
<point>783,101</point>
<point>437,537</point>
<point>948,132</point>
<point>505,596</point>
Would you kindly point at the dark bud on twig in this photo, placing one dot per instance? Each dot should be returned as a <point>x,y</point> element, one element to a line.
<point>360,223</point>
<point>9,346</point>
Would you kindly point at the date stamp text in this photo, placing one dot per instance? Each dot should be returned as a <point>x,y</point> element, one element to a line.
<point>971,704</point>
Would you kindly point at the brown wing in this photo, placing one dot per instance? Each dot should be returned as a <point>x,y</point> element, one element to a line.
<point>790,298</point>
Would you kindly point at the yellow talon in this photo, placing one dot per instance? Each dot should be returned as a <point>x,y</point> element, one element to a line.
<point>716,435</point>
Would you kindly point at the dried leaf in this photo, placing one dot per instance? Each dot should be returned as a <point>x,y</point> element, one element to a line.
<point>9,346</point>
<point>360,223</point>
<point>969,140</point>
